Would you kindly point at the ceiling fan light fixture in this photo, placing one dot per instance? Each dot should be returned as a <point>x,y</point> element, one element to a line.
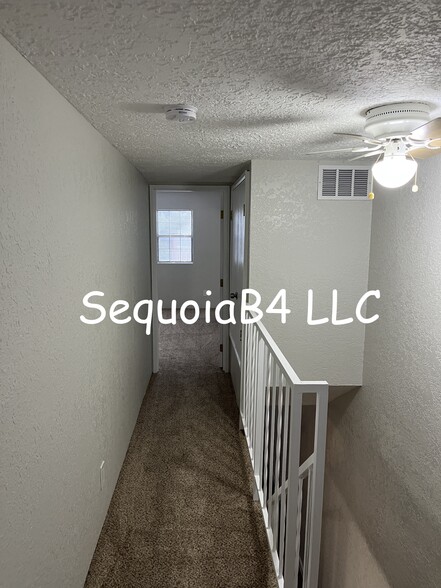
<point>394,171</point>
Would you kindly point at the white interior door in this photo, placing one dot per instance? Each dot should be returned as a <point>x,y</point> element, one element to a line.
<point>238,269</point>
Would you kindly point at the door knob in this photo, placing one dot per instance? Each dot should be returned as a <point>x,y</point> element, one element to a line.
<point>233,295</point>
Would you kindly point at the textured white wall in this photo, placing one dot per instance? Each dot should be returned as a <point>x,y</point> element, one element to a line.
<point>188,281</point>
<point>298,242</point>
<point>74,218</point>
<point>384,464</point>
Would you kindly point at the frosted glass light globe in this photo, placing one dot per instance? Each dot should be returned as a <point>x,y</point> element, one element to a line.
<point>394,171</point>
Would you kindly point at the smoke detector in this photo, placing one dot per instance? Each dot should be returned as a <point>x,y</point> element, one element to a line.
<point>182,113</point>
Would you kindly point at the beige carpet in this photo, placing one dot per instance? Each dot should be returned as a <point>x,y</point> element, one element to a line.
<point>182,515</point>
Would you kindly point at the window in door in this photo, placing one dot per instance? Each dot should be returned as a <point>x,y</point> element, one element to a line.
<point>174,236</point>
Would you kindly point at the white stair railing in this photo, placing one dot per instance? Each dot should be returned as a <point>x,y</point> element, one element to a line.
<point>271,412</point>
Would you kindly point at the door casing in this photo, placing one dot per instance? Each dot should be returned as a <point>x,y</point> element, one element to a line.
<point>235,359</point>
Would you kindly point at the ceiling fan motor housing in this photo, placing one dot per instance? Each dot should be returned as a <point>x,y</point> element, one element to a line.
<point>182,113</point>
<point>396,120</point>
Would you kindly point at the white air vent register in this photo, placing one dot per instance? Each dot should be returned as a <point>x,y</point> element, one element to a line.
<point>343,182</point>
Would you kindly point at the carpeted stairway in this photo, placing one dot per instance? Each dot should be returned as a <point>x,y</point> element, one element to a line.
<point>182,515</point>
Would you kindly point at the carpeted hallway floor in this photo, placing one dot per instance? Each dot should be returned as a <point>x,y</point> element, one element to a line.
<point>182,515</point>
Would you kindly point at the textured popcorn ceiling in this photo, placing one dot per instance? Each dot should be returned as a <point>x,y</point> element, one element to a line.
<point>272,79</point>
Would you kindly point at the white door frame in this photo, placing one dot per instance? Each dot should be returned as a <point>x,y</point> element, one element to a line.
<point>246,262</point>
<point>224,270</point>
<point>244,177</point>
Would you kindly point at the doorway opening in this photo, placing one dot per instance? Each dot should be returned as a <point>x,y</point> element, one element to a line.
<point>190,265</point>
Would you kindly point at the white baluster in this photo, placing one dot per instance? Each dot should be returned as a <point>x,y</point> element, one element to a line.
<point>274,375</point>
<point>267,426</point>
<point>278,485</point>
<point>287,404</point>
<point>291,565</point>
<point>260,410</point>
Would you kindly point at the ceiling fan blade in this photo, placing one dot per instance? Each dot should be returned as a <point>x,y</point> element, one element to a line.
<point>331,151</point>
<point>431,130</point>
<point>362,137</point>
<point>352,149</point>
<point>370,154</point>
<point>368,149</point>
<point>423,152</point>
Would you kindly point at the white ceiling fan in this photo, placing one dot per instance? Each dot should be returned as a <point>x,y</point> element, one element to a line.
<point>397,134</point>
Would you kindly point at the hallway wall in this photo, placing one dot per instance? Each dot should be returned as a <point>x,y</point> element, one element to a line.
<point>298,242</point>
<point>382,518</point>
<point>74,218</point>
